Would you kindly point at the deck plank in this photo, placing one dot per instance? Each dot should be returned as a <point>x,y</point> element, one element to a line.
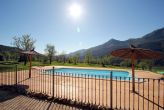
<point>9,101</point>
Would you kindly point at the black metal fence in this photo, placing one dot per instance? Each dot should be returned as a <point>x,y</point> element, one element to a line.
<point>107,91</point>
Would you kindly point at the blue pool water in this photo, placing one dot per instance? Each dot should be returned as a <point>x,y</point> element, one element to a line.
<point>90,72</point>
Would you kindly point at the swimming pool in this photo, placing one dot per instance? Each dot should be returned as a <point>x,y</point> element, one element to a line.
<point>90,72</point>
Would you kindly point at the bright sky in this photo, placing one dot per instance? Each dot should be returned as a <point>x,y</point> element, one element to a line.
<point>71,25</point>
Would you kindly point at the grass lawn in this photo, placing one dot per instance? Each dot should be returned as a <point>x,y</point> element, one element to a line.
<point>159,70</point>
<point>11,66</point>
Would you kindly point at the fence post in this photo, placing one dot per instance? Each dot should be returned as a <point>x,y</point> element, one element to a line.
<point>16,69</point>
<point>111,88</point>
<point>53,82</point>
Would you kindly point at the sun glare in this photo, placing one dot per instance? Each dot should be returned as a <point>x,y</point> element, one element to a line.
<point>75,10</point>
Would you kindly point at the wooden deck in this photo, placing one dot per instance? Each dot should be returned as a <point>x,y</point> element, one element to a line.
<point>10,101</point>
<point>149,93</point>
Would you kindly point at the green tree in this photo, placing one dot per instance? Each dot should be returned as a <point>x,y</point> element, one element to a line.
<point>142,65</point>
<point>45,60</point>
<point>1,57</point>
<point>102,61</point>
<point>93,60</point>
<point>146,64</point>
<point>50,52</point>
<point>88,57</point>
<point>70,59</point>
<point>76,58</point>
<point>126,63</point>
<point>149,64</point>
<point>6,56</point>
<point>62,57</point>
<point>105,60</point>
<point>114,61</point>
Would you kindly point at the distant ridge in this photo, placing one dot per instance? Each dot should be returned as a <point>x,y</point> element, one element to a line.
<point>9,49</point>
<point>153,40</point>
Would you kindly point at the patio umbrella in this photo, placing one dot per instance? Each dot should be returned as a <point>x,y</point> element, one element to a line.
<point>30,53</point>
<point>135,53</point>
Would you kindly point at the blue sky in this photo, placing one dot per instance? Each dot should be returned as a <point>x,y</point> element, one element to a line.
<point>49,21</point>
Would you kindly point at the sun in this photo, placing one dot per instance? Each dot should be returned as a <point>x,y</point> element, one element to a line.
<point>75,10</point>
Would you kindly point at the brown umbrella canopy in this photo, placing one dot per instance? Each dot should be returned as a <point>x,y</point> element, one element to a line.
<point>135,53</point>
<point>30,53</point>
<point>138,53</point>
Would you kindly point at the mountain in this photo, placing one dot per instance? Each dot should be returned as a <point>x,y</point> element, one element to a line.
<point>8,53</point>
<point>9,49</point>
<point>153,41</point>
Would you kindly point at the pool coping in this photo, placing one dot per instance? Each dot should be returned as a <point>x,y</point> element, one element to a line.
<point>138,73</point>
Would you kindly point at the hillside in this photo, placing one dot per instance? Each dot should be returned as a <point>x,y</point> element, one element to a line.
<point>153,40</point>
<point>11,53</point>
<point>9,49</point>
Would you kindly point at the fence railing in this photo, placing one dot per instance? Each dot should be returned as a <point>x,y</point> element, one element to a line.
<point>101,90</point>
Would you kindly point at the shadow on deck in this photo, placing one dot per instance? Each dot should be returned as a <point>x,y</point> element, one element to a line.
<point>14,101</point>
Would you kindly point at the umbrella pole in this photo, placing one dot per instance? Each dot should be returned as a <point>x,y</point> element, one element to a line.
<point>30,66</point>
<point>133,74</point>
